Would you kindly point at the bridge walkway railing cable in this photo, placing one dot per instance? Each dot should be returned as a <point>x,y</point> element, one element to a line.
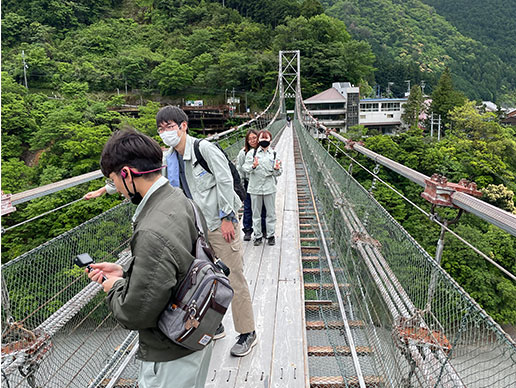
<point>426,331</point>
<point>56,329</point>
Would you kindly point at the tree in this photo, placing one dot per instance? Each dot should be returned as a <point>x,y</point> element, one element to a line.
<point>311,8</point>
<point>445,97</point>
<point>172,76</point>
<point>413,107</point>
<point>500,196</point>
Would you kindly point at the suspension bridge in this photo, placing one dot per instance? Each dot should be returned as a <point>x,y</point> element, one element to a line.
<point>346,298</point>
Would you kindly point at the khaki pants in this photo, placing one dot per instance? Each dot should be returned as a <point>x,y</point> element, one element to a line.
<point>185,372</point>
<point>232,255</point>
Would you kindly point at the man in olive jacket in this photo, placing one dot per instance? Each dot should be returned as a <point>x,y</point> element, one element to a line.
<point>163,238</point>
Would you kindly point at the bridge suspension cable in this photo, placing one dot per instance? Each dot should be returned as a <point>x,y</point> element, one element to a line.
<point>430,216</point>
<point>489,213</point>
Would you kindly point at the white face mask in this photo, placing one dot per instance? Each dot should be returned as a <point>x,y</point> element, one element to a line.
<point>170,138</point>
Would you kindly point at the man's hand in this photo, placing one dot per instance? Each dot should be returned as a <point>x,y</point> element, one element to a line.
<point>111,271</point>
<point>277,165</point>
<point>228,231</point>
<point>255,163</point>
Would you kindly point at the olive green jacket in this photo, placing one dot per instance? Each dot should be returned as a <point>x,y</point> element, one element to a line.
<point>163,238</point>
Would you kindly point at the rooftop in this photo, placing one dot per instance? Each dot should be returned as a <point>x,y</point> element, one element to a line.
<point>329,95</point>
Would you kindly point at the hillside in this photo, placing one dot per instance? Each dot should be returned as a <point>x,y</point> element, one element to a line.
<point>82,56</point>
<point>411,40</point>
<point>491,22</point>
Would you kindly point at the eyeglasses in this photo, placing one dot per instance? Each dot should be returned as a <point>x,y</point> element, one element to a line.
<point>168,127</point>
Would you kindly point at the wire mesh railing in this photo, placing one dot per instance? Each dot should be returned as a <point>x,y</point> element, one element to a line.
<point>339,351</point>
<point>56,328</point>
<point>438,338</point>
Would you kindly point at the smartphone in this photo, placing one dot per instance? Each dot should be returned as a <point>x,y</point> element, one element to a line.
<point>84,260</point>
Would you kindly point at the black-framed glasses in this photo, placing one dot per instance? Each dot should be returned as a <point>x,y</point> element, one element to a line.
<point>167,127</point>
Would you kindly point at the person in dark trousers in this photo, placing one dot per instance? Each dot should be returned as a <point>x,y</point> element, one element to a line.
<point>263,167</point>
<point>164,235</point>
<point>251,142</point>
<point>214,195</point>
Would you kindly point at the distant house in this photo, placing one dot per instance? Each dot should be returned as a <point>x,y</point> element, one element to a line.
<point>336,107</point>
<point>490,106</point>
<point>510,119</point>
<point>340,107</point>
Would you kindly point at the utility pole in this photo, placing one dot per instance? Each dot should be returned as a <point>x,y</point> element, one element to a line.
<point>225,97</point>
<point>389,84</point>
<point>25,67</point>
<point>432,125</point>
<point>439,129</point>
<point>423,84</point>
<point>233,100</point>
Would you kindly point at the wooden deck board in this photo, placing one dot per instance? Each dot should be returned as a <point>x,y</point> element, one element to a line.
<point>274,275</point>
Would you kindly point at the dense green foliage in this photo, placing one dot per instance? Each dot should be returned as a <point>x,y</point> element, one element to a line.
<point>444,97</point>
<point>413,107</point>
<point>412,41</point>
<point>79,52</point>
<point>476,148</point>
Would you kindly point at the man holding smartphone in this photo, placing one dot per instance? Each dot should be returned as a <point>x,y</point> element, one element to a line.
<point>164,235</point>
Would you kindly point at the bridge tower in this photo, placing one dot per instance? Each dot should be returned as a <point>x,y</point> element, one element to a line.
<point>289,77</point>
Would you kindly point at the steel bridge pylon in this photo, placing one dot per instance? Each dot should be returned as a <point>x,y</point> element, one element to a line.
<point>289,77</point>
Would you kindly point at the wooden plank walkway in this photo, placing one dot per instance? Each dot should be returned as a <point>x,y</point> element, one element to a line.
<point>274,274</point>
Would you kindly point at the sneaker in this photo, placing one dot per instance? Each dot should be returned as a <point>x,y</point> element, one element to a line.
<point>247,236</point>
<point>271,240</point>
<point>244,344</point>
<point>219,333</point>
<point>258,241</point>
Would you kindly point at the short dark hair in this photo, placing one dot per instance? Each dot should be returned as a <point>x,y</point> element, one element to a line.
<point>129,147</point>
<point>171,113</point>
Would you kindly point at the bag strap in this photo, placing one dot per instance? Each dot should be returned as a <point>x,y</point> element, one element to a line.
<point>255,151</point>
<point>198,222</point>
<point>199,157</point>
<point>198,225</point>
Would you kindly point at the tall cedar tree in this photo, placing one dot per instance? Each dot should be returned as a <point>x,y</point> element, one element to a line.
<point>413,107</point>
<point>445,97</point>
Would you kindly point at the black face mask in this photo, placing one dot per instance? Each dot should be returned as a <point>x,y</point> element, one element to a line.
<point>135,197</point>
<point>264,143</point>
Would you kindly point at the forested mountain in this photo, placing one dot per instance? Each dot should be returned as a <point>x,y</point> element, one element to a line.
<point>491,22</point>
<point>414,41</point>
<point>80,54</point>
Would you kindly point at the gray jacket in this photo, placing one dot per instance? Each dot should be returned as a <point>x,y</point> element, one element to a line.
<point>240,164</point>
<point>262,179</point>
<point>213,193</point>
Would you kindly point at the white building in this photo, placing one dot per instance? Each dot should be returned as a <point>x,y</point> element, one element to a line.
<point>339,107</point>
<point>336,107</point>
<point>383,114</point>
